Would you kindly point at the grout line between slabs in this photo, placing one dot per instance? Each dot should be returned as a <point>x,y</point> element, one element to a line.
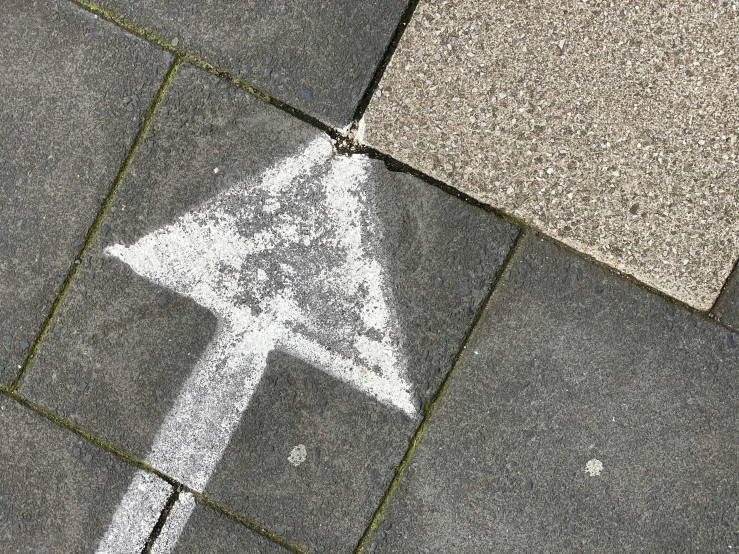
<point>733,274</point>
<point>136,462</point>
<point>103,444</point>
<point>192,59</point>
<point>384,61</point>
<point>252,525</point>
<point>156,531</point>
<point>345,143</point>
<point>432,407</point>
<point>94,229</point>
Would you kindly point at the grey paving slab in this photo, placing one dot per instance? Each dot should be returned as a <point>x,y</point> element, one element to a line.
<point>74,92</point>
<point>726,309</point>
<point>588,415</point>
<point>316,56</point>
<point>57,491</point>
<point>612,127</point>
<point>245,268</point>
<point>210,531</point>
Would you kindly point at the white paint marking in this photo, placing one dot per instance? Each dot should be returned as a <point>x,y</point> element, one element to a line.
<point>175,524</point>
<point>294,285</point>
<point>136,515</point>
<point>297,455</point>
<point>594,467</point>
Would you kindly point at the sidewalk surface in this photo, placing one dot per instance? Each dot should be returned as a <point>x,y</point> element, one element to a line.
<point>356,277</point>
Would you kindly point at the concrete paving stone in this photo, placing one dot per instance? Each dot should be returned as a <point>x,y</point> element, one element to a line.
<point>613,127</point>
<point>209,531</point>
<point>726,309</point>
<point>318,57</point>
<point>58,490</point>
<point>124,347</point>
<point>588,415</point>
<point>74,92</point>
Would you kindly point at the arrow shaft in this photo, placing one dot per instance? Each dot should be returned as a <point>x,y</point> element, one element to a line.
<point>192,439</point>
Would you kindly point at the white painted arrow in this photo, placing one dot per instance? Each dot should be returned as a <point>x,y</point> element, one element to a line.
<point>286,262</point>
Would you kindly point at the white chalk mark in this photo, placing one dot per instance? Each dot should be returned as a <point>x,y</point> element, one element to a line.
<point>297,455</point>
<point>308,283</point>
<point>136,516</point>
<point>594,467</point>
<point>174,524</point>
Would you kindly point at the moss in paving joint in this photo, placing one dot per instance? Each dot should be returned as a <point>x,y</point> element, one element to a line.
<point>95,228</point>
<point>136,462</point>
<point>205,500</point>
<point>433,406</point>
<point>91,438</point>
<point>192,59</point>
<point>346,143</point>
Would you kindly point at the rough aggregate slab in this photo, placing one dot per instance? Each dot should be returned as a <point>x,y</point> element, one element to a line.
<point>613,127</point>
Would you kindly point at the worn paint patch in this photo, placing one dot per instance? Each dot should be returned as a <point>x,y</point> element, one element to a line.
<point>594,467</point>
<point>290,261</point>
<point>298,455</point>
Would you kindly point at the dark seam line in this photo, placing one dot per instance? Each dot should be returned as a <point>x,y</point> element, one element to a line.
<point>94,229</point>
<point>155,532</point>
<point>345,144</point>
<point>139,464</point>
<point>733,275</point>
<point>433,406</point>
<point>384,61</point>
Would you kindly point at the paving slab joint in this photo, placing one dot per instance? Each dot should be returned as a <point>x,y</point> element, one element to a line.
<point>154,535</point>
<point>96,227</point>
<point>136,462</point>
<point>227,511</point>
<point>345,141</point>
<point>430,408</point>
<point>380,70</point>
<point>88,436</point>
<point>192,59</point>
<point>733,274</point>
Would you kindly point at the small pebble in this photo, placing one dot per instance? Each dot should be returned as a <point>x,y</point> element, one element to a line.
<point>175,41</point>
<point>24,345</point>
<point>731,341</point>
<point>439,282</point>
<point>106,229</point>
<point>163,300</point>
<point>529,485</point>
<point>76,452</point>
<point>599,289</point>
<point>2,368</point>
<point>82,387</point>
<point>306,95</point>
<point>87,458</point>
